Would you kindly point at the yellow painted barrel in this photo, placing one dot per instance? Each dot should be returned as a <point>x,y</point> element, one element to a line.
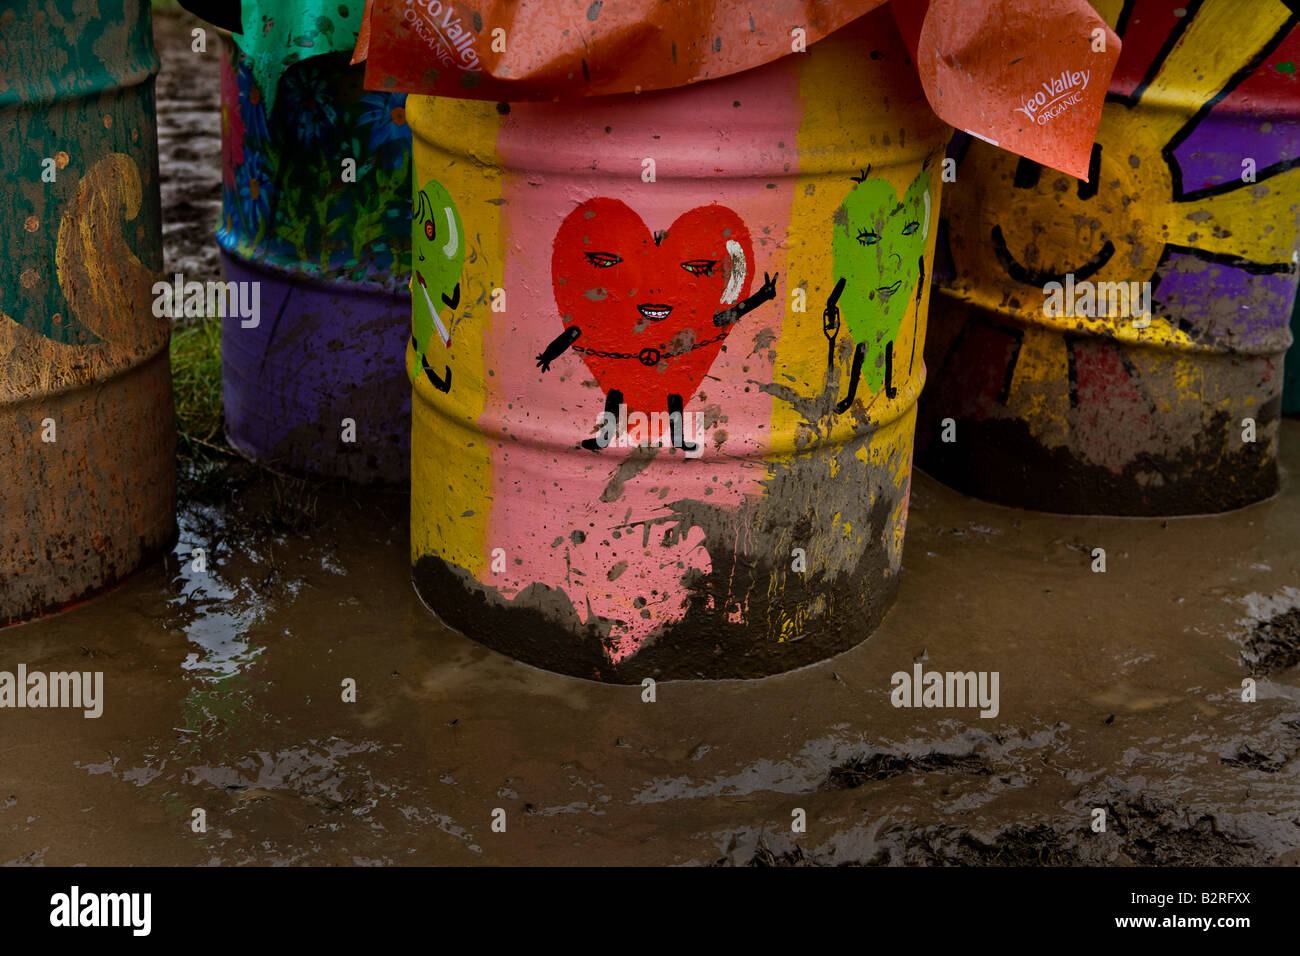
<point>666,352</point>
<point>1116,346</point>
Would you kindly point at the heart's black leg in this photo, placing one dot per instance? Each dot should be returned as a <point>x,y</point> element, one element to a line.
<point>612,401</point>
<point>676,422</point>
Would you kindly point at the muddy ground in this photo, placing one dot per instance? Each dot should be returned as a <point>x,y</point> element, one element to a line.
<point>1118,691</point>
<point>188,94</point>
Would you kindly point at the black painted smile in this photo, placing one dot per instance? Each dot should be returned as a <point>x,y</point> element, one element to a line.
<point>1038,277</point>
<point>654,311</point>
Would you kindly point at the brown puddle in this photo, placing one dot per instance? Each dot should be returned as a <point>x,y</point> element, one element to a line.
<point>1118,690</point>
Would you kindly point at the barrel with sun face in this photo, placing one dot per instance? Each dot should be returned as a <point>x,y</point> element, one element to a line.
<point>315,217</point>
<point>1116,346</point>
<point>87,437</point>
<point>666,351</point>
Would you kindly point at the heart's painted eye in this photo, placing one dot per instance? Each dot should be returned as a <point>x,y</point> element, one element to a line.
<point>428,228</point>
<point>602,260</point>
<point>700,267</point>
<point>867,238</point>
<point>911,227</point>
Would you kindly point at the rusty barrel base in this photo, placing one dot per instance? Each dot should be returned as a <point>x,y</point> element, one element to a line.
<point>322,352</point>
<point>99,502</point>
<point>1127,442</point>
<point>703,645</point>
<point>1000,461</point>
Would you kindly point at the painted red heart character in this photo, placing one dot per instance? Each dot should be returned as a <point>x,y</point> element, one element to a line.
<point>647,312</point>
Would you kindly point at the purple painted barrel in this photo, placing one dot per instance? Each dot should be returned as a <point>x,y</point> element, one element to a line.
<point>316,220</point>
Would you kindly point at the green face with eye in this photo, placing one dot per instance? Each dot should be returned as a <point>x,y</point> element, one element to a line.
<point>877,244</point>
<point>437,256</point>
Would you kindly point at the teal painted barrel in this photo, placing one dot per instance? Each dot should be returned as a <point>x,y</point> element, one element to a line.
<point>87,435</point>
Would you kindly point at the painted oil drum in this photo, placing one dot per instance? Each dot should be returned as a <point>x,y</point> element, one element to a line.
<point>666,355</point>
<point>1291,385</point>
<point>316,222</point>
<point>1190,214</point>
<point>87,435</point>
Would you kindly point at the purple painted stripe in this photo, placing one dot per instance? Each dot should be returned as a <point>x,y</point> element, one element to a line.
<point>1213,153</point>
<point>1231,307</point>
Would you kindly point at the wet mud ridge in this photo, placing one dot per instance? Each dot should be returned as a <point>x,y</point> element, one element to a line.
<point>1120,692</point>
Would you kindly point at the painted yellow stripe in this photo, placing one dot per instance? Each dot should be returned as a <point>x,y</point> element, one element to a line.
<point>1221,39</point>
<point>1242,222</point>
<point>451,464</point>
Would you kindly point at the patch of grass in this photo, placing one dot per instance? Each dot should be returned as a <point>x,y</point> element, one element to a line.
<point>196,390</point>
<point>288,504</point>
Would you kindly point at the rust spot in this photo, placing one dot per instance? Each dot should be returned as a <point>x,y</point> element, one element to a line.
<point>61,159</point>
<point>32,224</point>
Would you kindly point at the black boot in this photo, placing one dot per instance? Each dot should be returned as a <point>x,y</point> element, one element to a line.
<point>678,425</point>
<point>612,402</point>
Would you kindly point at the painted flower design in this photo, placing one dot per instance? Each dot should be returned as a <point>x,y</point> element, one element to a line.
<point>283,199</point>
<point>254,185</point>
<point>307,107</point>
<point>252,107</point>
<point>385,116</point>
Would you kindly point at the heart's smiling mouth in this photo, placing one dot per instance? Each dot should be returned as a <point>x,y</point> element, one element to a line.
<point>654,311</point>
<point>889,289</point>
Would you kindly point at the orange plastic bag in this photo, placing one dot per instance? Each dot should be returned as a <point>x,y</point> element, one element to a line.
<point>1028,75</point>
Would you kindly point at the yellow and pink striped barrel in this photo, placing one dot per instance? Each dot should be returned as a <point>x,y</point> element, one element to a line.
<point>666,352</point>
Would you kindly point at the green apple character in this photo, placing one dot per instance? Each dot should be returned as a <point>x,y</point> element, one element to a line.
<point>438,241</point>
<point>878,248</point>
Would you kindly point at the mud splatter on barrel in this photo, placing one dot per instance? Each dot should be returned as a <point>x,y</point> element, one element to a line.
<point>1194,197</point>
<point>315,386</point>
<point>666,353</point>
<point>87,437</point>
